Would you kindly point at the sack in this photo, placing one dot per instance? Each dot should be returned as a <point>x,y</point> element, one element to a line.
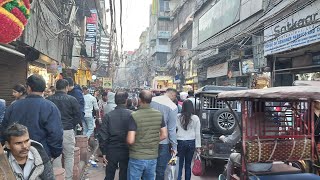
<point>172,169</point>
<point>197,168</point>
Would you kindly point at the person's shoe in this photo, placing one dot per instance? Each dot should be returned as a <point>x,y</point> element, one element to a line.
<point>222,177</point>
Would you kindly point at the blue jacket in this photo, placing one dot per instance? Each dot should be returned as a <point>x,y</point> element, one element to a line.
<point>77,93</point>
<point>43,119</point>
<point>2,109</point>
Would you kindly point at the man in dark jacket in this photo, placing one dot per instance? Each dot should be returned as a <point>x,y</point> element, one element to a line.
<point>41,116</point>
<point>112,138</point>
<point>27,158</point>
<point>76,91</point>
<point>70,116</point>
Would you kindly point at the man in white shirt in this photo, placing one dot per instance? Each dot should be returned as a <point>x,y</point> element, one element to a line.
<point>90,103</point>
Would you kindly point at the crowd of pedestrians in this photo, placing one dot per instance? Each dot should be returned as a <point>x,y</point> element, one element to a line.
<point>137,135</point>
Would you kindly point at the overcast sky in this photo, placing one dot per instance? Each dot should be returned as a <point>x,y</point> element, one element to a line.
<point>135,20</point>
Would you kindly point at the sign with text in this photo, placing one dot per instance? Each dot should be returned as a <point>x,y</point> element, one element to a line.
<point>107,83</point>
<point>299,29</point>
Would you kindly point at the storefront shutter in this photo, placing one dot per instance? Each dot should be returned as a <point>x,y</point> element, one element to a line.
<point>13,70</point>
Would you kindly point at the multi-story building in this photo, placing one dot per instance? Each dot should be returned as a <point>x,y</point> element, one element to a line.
<point>224,39</point>
<point>182,66</point>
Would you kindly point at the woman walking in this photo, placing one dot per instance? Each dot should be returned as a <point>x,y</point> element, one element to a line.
<point>19,92</point>
<point>188,136</point>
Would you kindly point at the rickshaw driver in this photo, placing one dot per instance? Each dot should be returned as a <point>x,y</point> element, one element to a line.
<point>235,158</point>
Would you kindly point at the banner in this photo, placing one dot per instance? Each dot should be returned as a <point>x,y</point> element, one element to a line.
<point>107,83</point>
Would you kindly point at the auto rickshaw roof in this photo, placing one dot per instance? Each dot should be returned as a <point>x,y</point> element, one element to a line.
<point>218,89</point>
<point>306,83</point>
<point>278,93</point>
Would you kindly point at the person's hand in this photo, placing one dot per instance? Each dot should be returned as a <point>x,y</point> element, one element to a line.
<point>173,152</point>
<point>198,150</point>
<point>222,138</point>
<point>105,159</point>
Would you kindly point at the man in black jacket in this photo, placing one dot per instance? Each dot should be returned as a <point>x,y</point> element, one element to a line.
<point>70,116</point>
<point>112,138</point>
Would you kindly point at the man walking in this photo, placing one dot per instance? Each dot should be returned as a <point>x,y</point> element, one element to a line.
<point>112,137</point>
<point>90,103</point>
<point>143,136</point>
<point>27,158</point>
<point>169,110</point>
<point>76,91</point>
<point>70,117</point>
<point>41,116</point>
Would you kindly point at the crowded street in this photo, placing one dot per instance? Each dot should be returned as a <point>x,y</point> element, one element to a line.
<point>159,89</point>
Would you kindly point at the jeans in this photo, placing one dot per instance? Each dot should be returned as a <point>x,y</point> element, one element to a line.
<point>114,158</point>
<point>163,159</point>
<point>88,126</point>
<point>69,143</point>
<point>141,169</point>
<point>186,150</point>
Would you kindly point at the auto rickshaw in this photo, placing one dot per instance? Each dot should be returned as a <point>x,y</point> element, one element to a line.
<point>270,134</point>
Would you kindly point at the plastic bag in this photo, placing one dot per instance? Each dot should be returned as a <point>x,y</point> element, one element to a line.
<point>197,168</point>
<point>172,169</point>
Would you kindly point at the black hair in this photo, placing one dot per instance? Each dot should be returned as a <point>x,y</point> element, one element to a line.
<point>53,89</point>
<point>70,81</point>
<point>105,94</point>
<point>121,97</point>
<point>129,103</point>
<point>186,113</point>
<point>172,90</point>
<point>145,96</point>
<point>20,88</point>
<point>14,130</point>
<point>191,93</point>
<point>84,88</point>
<point>36,83</point>
<point>62,84</point>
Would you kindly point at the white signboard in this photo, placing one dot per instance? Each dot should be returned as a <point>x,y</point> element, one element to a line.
<point>300,29</point>
<point>217,70</point>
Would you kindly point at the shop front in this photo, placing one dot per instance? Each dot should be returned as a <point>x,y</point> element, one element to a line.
<point>163,82</point>
<point>46,67</point>
<point>191,84</point>
<point>295,52</point>
<point>13,70</point>
<point>83,76</point>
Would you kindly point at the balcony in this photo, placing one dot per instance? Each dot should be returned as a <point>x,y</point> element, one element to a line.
<point>160,49</point>
<point>164,34</point>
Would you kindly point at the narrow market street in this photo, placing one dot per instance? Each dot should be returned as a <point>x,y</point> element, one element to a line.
<point>231,87</point>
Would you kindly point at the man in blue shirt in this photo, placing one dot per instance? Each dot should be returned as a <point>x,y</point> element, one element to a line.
<point>2,109</point>
<point>40,116</point>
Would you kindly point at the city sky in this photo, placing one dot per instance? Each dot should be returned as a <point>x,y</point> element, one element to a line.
<point>135,20</point>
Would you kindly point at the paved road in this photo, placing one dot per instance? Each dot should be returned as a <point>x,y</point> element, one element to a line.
<point>212,173</point>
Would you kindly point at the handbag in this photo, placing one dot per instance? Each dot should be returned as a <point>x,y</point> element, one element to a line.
<point>197,167</point>
<point>171,172</point>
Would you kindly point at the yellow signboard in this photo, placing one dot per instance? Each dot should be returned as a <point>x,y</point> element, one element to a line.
<point>107,83</point>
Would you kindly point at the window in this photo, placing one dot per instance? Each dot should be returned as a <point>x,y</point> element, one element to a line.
<point>162,58</point>
<point>164,6</point>
<point>163,42</point>
<point>164,25</point>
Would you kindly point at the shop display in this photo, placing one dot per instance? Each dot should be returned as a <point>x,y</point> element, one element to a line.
<point>14,15</point>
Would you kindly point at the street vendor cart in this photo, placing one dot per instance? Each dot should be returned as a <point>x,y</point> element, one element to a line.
<point>277,127</point>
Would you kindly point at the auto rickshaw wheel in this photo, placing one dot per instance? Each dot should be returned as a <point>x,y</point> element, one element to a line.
<point>224,121</point>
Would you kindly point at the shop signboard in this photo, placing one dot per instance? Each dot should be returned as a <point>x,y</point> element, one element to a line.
<point>248,66</point>
<point>107,83</point>
<point>223,14</point>
<point>217,70</point>
<point>299,29</point>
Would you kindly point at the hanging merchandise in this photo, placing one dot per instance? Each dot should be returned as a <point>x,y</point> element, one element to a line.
<point>14,15</point>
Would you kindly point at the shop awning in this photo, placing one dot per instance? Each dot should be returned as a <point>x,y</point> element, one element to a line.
<point>10,50</point>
